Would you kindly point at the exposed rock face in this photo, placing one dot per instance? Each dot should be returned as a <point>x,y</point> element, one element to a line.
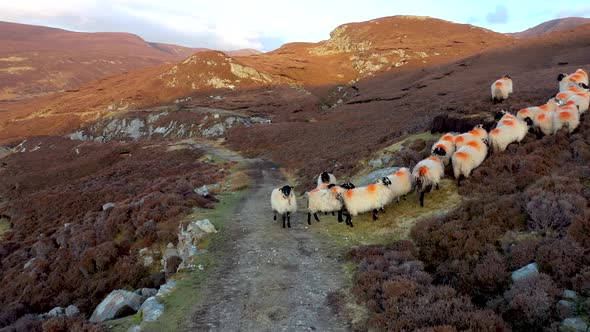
<point>118,303</point>
<point>340,42</point>
<point>575,324</point>
<point>525,272</point>
<point>249,72</point>
<point>56,312</point>
<point>151,309</point>
<point>376,175</point>
<point>72,310</point>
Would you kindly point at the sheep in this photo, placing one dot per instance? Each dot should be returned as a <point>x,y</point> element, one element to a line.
<point>444,148</point>
<point>543,123</point>
<point>581,100</point>
<point>364,199</point>
<point>531,112</point>
<point>325,179</point>
<point>501,88</point>
<point>575,79</point>
<point>506,132</point>
<point>282,200</point>
<point>476,133</point>
<point>567,116</point>
<point>401,185</point>
<point>468,158</point>
<point>584,75</point>
<point>325,200</point>
<point>426,174</point>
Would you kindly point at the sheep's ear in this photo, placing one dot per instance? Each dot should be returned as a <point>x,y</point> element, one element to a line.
<point>560,77</point>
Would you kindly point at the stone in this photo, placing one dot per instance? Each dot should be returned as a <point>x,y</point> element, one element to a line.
<point>385,159</point>
<point>206,226</point>
<point>151,309</point>
<point>134,328</point>
<point>72,310</point>
<point>203,191</point>
<point>118,303</point>
<point>108,206</point>
<point>375,163</point>
<point>565,309</point>
<point>148,292</point>
<point>525,272</point>
<point>377,175</point>
<point>166,288</point>
<point>569,294</point>
<point>56,312</point>
<point>575,324</point>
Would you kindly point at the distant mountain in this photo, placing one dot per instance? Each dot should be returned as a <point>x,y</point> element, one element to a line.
<point>551,26</point>
<point>36,60</point>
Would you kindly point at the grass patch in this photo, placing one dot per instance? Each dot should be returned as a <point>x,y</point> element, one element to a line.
<point>179,303</point>
<point>394,224</point>
<point>4,226</point>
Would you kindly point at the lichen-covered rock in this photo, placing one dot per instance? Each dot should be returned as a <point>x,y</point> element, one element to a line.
<point>166,288</point>
<point>575,324</point>
<point>151,309</point>
<point>377,175</point>
<point>525,272</point>
<point>56,312</point>
<point>118,303</point>
<point>72,310</point>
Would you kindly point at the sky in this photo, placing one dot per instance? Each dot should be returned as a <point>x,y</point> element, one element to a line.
<point>267,24</point>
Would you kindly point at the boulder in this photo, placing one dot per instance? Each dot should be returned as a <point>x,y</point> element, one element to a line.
<point>575,324</point>
<point>118,303</point>
<point>148,292</point>
<point>134,328</point>
<point>203,191</point>
<point>206,226</point>
<point>166,288</point>
<point>56,312</point>
<point>72,310</point>
<point>565,309</point>
<point>570,295</point>
<point>151,309</point>
<point>107,206</point>
<point>525,272</point>
<point>377,175</point>
<point>375,163</point>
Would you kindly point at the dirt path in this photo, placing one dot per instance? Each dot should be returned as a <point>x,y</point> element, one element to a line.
<point>269,278</point>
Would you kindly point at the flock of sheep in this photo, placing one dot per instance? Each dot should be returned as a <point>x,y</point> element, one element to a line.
<point>465,152</point>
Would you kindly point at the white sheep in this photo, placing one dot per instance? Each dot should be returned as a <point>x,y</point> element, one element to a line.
<point>444,148</point>
<point>467,158</point>
<point>508,130</point>
<point>476,133</point>
<point>427,174</point>
<point>364,199</point>
<point>531,112</point>
<point>543,123</point>
<point>568,117</point>
<point>326,179</point>
<point>580,100</point>
<point>401,185</point>
<point>501,88</point>
<point>283,201</point>
<point>326,200</point>
<point>572,80</point>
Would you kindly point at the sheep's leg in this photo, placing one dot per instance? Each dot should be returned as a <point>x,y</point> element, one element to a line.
<point>340,215</point>
<point>350,221</point>
<point>284,218</point>
<point>421,199</point>
<point>375,214</point>
<point>309,218</point>
<point>437,187</point>
<point>325,213</point>
<point>315,215</point>
<point>275,216</point>
<point>382,210</point>
<point>333,213</point>
<point>289,219</point>
<point>397,200</point>
<point>461,178</point>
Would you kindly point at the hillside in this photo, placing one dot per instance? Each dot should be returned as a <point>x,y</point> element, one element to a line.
<point>36,60</point>
<point>354,51</point>
<point>551,26</point>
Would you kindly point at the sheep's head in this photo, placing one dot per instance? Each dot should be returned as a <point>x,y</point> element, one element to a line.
<point>386,181</point>
<point>439,151</point>
<point>529,122</point>
<point>325,177</point>
<point>583,86</point>
<point>561,77</point>
<point>507,76</point>
<point>286,190</point>
<point>499,115</point>
<point>485,141</point>
<point>348,185</point>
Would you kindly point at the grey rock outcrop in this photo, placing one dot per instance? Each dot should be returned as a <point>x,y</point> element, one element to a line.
<point>118,303</point>
<point>377,175</point>
<point>151,309</point>
<point>525,272</point>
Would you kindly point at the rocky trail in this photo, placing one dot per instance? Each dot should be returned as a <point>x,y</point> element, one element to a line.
<point>268,278</point>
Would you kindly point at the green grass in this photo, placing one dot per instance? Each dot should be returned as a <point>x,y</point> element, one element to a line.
<point>4,226</point>
<point>394,224</point>
<point>179,303</point>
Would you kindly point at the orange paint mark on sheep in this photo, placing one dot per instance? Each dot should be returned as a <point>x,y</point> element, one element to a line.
<point>541,117</point>
<point>462,155</point>
<point>459,139</point>
<point>315,190</point>
<point>433,158</point>
<point>423,170</point>
<point>349,193</point>
<point>495,131</point>
<point>400,173</point>
<point>544,107</point>
<point>498,83</point>
<point>448,138</point>
<point>565,115</point>
<point>508,122</point>
<point>474,144</point>
<point>372,188</point>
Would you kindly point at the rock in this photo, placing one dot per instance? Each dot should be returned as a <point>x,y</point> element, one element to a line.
<point>108,206</point>
<point>72,310</point>
<point>56,312</point>
<point>203,191</point>
<point>118,303</point>
<point>29,263</point>
<point>151,309</point>
<point>375,163</point>
<point>565,309</point>
<point>166,288</point>
<point>575,324</point>
<point>134,328</point>
<point>377,175</point>
<point>206,226</point>
<point>385,159</point>
<point>525,272</point>
<point>570,295</point>
<point>148,292</point>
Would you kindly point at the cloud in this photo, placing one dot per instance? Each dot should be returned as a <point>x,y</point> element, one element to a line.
<point>582,11</point>
<point>498,16</point>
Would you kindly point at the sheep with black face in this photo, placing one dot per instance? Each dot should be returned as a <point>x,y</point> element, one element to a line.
<point>283,201</point>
